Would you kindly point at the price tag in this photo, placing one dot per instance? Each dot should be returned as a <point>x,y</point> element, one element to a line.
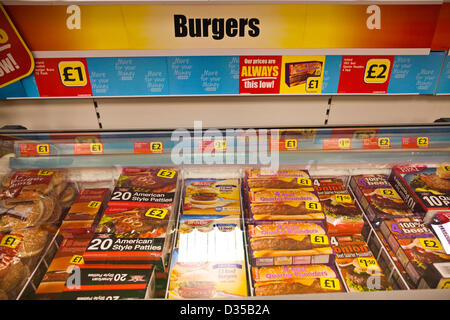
<point>319,239</point>
<point>344,198</point>
<point>431,244</point>
<point>388,192</point>
<point>166,173</point>
<point>220,145</point>
<point>96,147</point>
<point>311,205</point>
<point>291,144</point>
<point>43,149</point>
<point>377,70</point>
<point>423,142</point>
<point>313,85</point>
<point>367,263</point>
<point>444,284</point>
<point>330,283</point>
<point>94,204</point>
<point>10,241</point>
<point>72,73</point>
<point>76,259</point>
<point>157,213</point>
<point>304,181</point>
<point>156,147</point>
<point>384,142</point>
<point>344,143</point>
<point>45,172</point>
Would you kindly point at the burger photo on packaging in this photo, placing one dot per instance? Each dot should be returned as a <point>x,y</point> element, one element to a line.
<point>433,180</point>
<point>204,196</point>
<point>359,278</point>
<point>422,255</point>
<point>197,284</point>
<point>388,204</point>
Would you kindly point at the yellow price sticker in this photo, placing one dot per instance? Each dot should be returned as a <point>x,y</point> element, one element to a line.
<point>344,143</point>
<point>304,181</point>
<point>368,263</point>
<point>94,204</point>
<point>319,239</point>
<point>445,167</point>
<point>423,142</point>
<point>377,70</point>
<point>96,147</point>
<point>343,198</point>
<point>311,205</point>
<point>291,144</point>
<point>76,259</point>
<point>445,284</point>
<point>45,172</point>
<point>431,244</point>
<point>313,84</point>
<point>43,148</point>
<point>166,173</point>
<point>10,241</point>
<point>388,192</point>
<point>72,73</point>
<point>156,146</point>
<point>330,283</point>
<point>384,142</point>
<point>158,213</point>
<point>220,145</point>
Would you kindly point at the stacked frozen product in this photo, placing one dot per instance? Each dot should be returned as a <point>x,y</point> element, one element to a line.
<point>208,257</point>
<point>288,246</point>
<point>400,207</point>
<point>117,244</point>
<point>32,204</point>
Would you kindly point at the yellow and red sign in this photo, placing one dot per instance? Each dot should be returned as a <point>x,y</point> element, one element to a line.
<point>16,61</point>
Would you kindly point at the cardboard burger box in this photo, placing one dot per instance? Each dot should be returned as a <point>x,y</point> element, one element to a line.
<point>343,216</point>
<point>425,189</point>
<point>110,282</point>
<point>357,265</point>
<point>289,243</point>
<point>378,198</point>
<point>416,248</point>
<point>298,279</point>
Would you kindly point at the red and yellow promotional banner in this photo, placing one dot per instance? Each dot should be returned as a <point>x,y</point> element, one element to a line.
<point>218,27</point>
<point>16,61</point>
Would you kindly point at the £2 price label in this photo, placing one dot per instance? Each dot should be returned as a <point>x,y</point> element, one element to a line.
<point>431,244</point>
<point>166,173</point>
<point>423,142</point>
<point>156,147</point>
<point>158,213</point>
<point>384,142</point>
<point>72,73</point>
<point>377,70</point>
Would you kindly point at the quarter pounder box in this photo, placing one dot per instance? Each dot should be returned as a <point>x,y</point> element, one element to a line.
<point>378,198</point>
<point>415,246</point>
<point>425,189</point>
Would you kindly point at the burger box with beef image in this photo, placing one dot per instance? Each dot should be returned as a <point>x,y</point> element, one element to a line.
<point>299,279</point>
<point>415,246</point>
<point>357,265</point>
<point>133,234</point>
<point>277,179</point>
<point>378,199</point>
<point>144,186</point>
<point>342,214</point>
<point>110,282</point>
<point>212,196</point>
<point>208,260</point>
<point>425,189</point>
<point>289,243</point>
<point>69,254</point>
<point>85,213</point>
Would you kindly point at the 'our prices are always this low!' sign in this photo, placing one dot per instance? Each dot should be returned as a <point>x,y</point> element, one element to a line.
<point>16,61</point>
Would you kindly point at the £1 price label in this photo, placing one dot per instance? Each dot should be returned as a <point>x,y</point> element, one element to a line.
<point>319,239</point>
<point>72,73</point>
<point>313,85</point>
<point>377,70</point>
<point>312,205</point>
<point>330,283</point>
<point>94,204</point>
<point>304,181</point>
<point>43,149</point>
<point>290,144</point>
<point>76,259</point>
<point>10,241</point>
<point>96,147</point>
<point>158,213</point>
<point>166,173</point>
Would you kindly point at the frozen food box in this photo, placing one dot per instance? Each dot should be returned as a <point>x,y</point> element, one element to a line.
<point>282,195</point>
<point>69,254</point>
<point>357,265</point>
<point>110,282</point>
<point>207,279</point>
<point>35,197</point>
<point>299,279</point>
<point>143,186</point>
<point>212,196</point>
<point>85,213</point>
<point>378,198</point>
<point>415,246</point>
<point>425,189</point>
<point>289,243</point>
<point>277,179</point>
<point>132,234</point>
<point>343,216</point>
